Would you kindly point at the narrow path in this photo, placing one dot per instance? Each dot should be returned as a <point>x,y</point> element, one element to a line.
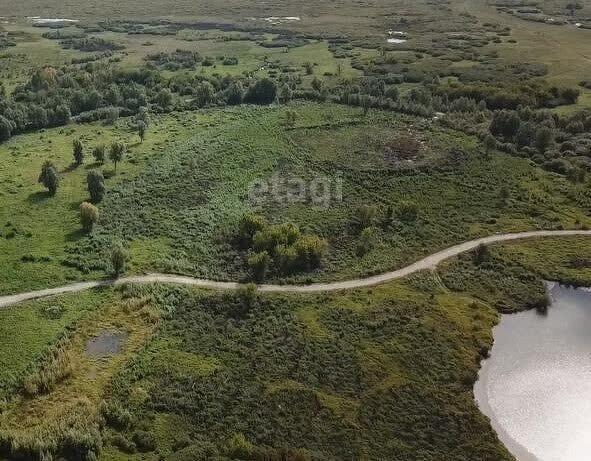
<point>430,262</point>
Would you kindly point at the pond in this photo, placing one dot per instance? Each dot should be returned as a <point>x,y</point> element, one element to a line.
<point>107,343</point>
<point>536,385</point>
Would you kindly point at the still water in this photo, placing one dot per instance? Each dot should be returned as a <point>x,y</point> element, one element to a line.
<point>536,385</point>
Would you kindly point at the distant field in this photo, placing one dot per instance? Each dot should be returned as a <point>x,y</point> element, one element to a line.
<point>564,49</point>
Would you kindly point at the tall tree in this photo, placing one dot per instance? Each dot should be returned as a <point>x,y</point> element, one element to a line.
<point>141,130</point>
<point>99,153</point>
<point>96,185</point>
<point>118,259</point>
<point>78,151</point>
<point>116,153</point>
<point>89,216</point>
<point>49,177</point>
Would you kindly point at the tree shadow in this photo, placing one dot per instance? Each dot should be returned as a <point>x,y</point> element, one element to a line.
<point>38,197</point>
<point>94,165</point>
<point>76,235</point>
<point>70,168</point>
<point>75,206</point>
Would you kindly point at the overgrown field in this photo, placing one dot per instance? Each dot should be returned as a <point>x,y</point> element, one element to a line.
<point>177,198</point>
<point>35,229</point>
<point>381,373</point>
<point>182,215</point>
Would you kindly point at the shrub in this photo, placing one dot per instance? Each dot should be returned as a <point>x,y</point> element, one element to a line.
<point>118,260</point>
<point>78,151</point>
<point>96,185</point>
<point>310,250</point>
<point>99,153</point>
<point>264,91</point>
<point>367,215</point>
<point>49,177</point>
<point>116,153</point>
<point>407,211</point>
<point>259,264</point>
<point>271,237</point>
<point>249,225</point>
<point>366,241</point>
<point>145,441</point>
<point>481,254</point>
<point>115,415</point>
<point>89,216</point>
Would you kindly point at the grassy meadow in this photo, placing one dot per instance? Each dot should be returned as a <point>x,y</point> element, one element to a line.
<point>177,198</point>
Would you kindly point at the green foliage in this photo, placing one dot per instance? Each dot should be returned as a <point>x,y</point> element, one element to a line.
<point>407,211</point>
<point>118,260</point>
<point>78,152</point>
<point>366,242</point>
<point>141,130</point>
<point>96,185</point>
<point>264,91</point>
<point>116,153</point>
<point>89,216</point>
<point>57,367</point>
<point>290,250</point>
<point>259,264</point>
<point>544,139</point>
<point>365,389</point>
<point>99,153</point>
<point>248,226</point>
<point>291,118</point>
<point>49,177</point>
<point>367,216</point>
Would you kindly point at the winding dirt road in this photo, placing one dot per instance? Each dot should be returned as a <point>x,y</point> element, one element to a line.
<point>430,262</point>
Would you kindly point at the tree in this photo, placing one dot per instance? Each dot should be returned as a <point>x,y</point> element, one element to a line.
<point>264,91</point>
<point>118,260</point>
<point>490,143</point>
<point>49,177</point>
<point>407,211</point>
<point>290,118</point>
<point>235,94</point>
<point>204,94</point>
<point>365,103</point>
<point>96,185</point>
<point>285,93</point>
<point>481,254</point>
<point>505,123</point>
<point>89,216</point>
<point>366,241</point>
<point>248,226</point>
<point>99,153</point>
<point>504,194</point>
<point>259,265</point>
<point>78,151</point>
<point>142,116</point>
<point>6,128</point>
<point>141,130</point>
<point>310,249</point>
<point>544,139</point>
<point>116,153</point>
<point>367,215</point>
<point>309,68</point>
<point>164,98</point>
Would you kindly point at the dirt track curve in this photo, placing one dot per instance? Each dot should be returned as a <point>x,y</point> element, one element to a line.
<point>427,263</point>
